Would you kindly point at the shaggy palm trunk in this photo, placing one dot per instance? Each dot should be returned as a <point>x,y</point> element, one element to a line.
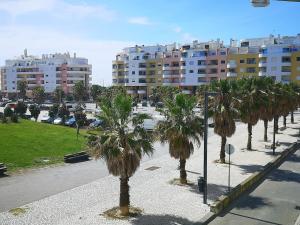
<point>183,175</point>
<point>276,124</point>
<point>249,144</point>
<point>222,152</point>
<point>284,121</point>
<point>266,130</point>
<point>124,196</point>
<point>292,117</point>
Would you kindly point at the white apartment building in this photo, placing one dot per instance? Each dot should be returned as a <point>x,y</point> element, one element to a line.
<point>49,71</point>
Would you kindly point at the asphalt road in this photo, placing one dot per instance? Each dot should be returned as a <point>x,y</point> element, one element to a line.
<point>275,201</point>
<point>18,190</point>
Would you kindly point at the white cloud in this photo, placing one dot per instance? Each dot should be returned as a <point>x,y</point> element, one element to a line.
<point>99,52</point>
<point>58,8</point>
<point>177,29</point>
<point>19,7</point>
<point>139,20</point>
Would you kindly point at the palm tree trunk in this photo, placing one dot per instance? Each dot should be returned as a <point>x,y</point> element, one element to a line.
<point>284,121</point>
<point>124,196</point>
<point>292,117</point>
<point>276,124</point>
<point>222,152</point>
<point>266,130</point>
<point>183,175</point>
<point>249,144</point>
<point>77,130</point>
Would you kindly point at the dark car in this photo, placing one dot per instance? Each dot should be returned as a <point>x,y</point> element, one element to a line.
<point>96,123</point>
<point>144,103</point>
<point>71,122</point>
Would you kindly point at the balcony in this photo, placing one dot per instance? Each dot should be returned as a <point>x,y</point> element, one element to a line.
<point>202,66</point>
<point>231,65</point>
<point>262,73</point>
<point>130,91</point>
<point>141,92</point>
<point>262,64</point>
<point>286,64</point>
<point>285,73</point>
<point>231,74</point>
<point>188,92</point>
<point>262,55</point>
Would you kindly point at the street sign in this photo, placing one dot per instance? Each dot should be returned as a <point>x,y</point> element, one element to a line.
<point>229,149</point>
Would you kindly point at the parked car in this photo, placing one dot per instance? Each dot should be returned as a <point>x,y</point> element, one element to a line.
<point>71,122</point>
<point>159,105</point>
<point>96,123</point>
<point>144,103</point>
<point>57,120</point>
<point>45,119</point>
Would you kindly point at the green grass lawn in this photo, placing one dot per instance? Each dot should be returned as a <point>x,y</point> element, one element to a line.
<point>27,144</point>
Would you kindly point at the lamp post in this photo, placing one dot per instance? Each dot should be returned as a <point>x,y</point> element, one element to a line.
<point>206,94</point>
<point>274,130</point>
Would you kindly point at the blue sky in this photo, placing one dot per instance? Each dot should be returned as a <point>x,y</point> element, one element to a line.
<point>98,29</point>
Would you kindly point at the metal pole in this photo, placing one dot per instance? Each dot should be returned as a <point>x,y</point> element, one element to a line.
<point>229,169</point>
<point>274,136</point>
<point>205,147</point>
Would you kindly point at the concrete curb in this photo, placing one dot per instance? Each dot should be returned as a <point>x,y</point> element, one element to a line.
<point>225,200</point>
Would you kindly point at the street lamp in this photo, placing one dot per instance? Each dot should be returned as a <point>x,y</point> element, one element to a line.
<point>206,95</point>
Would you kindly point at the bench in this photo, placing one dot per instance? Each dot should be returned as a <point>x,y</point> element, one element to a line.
<point>76,157</point>
<point>3,168</point>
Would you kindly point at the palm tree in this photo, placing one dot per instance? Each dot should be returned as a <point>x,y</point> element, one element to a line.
<point>295,87</point>
<point>266,109</point>
<point>250,102</point>
<point>224,111</point>
<point>121,143</point>
<point>180,129</point>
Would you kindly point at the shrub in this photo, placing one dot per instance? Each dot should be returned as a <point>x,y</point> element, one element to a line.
<point>8,112</point>
<point>14,118</point>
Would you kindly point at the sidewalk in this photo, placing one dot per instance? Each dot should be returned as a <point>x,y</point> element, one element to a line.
<point>162,202</point>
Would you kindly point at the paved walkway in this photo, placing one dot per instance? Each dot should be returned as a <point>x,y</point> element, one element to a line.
<point>35,184</point>
<point>275,201</point>
<point>162,202</point>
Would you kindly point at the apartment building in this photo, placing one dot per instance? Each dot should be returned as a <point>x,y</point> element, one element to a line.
<point>187,66</point>
<point>49,71</point>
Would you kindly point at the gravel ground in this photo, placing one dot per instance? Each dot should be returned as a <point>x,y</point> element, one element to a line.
<point>162,203</point>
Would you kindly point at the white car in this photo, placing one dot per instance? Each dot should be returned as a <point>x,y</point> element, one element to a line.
<point>58,120</point>
<point>45,118</point>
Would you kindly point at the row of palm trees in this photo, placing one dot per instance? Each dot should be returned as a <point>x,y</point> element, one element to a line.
<point>250,100</point>
<point>122,141</point>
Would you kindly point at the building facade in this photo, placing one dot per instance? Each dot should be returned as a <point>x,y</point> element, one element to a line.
<point>49,71</point>
<point>141,68</point>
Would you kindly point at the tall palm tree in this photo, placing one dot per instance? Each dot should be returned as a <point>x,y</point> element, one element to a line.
<point>121,143</point>
<point>224,111</point>
<point>296,89</point>
<point>250,91</point>
<point>266,109</point>
<point>181,128</point>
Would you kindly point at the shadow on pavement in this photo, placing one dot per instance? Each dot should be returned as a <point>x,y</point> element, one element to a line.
<point>253,218</point>
<point>253,203</point>
<point>161,219</point>
<point>284,175</point>
<point>213,190</point>
<point>250,168</point>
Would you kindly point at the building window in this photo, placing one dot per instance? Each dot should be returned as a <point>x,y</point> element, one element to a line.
<point>251,61</point>
<point>201,71</point>
<point>191,71</point>
<point>223,71</point>
<point>250,70</point>
<point>222,61</point>
<point>298,59</point>
<point>242,61</point>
